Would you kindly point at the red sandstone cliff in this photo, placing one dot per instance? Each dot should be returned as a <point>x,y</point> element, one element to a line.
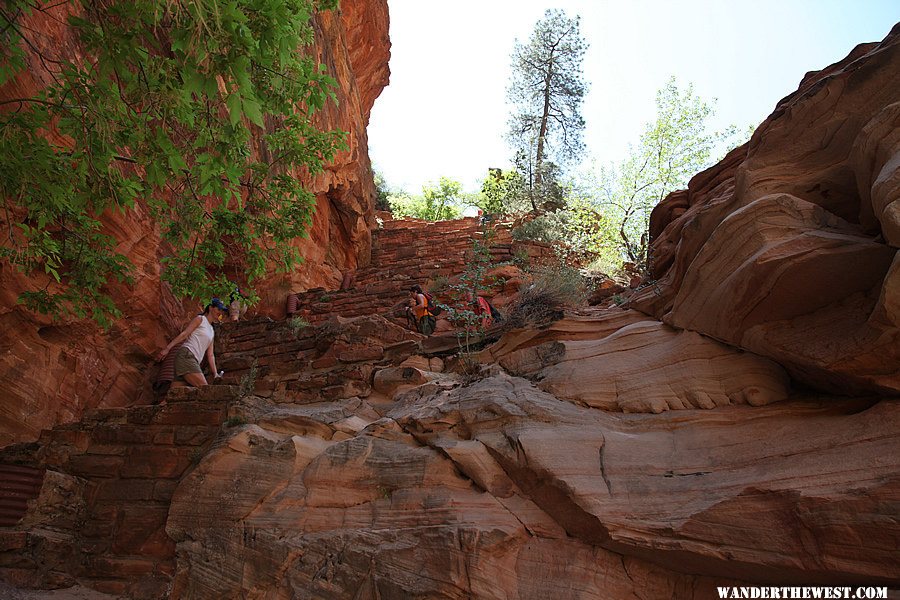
<point>51,372</point>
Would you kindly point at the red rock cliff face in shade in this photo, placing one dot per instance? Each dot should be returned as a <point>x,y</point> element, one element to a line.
<point>51,372</point>
<point>788,247</point>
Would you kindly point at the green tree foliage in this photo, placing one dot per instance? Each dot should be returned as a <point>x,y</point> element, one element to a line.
<point>440,198</point>
<point>503,193</point>
<point>202,110</point>
<point>673,147</point>
<point>578,230</point>
<point>382,192</point>
<point>437,202</point>
<point>547,88</point>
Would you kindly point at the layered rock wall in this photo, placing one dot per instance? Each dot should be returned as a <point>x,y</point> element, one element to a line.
<point>51,372</point>
<point>788,247</point>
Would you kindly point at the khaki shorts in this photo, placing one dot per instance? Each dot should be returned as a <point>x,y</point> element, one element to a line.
<point>185,363</point>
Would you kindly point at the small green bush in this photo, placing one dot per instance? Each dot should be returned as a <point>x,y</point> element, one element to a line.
<point>542,229</point>
<point>234,422</point>
<point>522,260</point>
<point>297,323</point>
<point>248,381</point>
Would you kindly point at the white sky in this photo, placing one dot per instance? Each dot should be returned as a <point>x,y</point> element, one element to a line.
<point>445,112</point>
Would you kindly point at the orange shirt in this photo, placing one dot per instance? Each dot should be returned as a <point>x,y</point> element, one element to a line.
<point>421,307</point>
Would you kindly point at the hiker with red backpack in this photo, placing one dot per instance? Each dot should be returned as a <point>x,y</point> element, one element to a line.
<point>421,310</point>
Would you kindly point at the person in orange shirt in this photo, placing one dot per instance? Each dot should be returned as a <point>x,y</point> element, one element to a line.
<point>418,311</point>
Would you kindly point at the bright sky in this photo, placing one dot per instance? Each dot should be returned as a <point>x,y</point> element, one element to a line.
<point>445,111</point>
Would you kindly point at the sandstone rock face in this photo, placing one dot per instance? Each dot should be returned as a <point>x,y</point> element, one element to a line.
<point>52,372</point>
<point>492,488</point>
<point>650,367</point>
<point>786,247</point>
<point>499,490</point>
<point>618,360</point>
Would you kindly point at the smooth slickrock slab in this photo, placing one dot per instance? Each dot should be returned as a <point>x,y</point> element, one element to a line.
<point>275,514</point>
<point>617,360</point>
<point>650,367</point>
<point>748,491</point>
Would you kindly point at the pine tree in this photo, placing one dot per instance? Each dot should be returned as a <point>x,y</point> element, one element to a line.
<point>547,88</point>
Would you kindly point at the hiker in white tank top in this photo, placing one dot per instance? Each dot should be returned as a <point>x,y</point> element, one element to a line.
<point>198,341</point>
<point>201,338</point>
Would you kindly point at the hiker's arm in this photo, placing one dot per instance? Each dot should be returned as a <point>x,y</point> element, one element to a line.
<point>420,299</point>
<point>180,337</point>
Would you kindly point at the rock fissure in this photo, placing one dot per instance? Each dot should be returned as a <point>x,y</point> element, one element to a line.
<point>603,471</point>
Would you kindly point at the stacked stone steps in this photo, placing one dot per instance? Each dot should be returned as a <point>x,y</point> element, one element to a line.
<point>423,241</point>
<point>425,268</point>
<point>254,354</point>
<point>123,466</point>
<point>120,468</point>
<point>318,305</point>
<point>333,361</point>
<point>18,485</point>
<point>405,252</point>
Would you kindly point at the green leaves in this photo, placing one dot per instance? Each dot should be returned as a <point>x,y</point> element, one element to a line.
<point>253,111</point>
<point>234,108</point>
<point>673,147</point>
<point>437,202</point>
<point>164,113</point>
<point>12,57</point>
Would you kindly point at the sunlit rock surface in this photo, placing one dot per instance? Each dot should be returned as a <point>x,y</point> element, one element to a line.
<point>500,490</point>
<point>645,367</point>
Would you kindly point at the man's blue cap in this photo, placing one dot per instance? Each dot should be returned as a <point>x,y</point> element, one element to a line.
<point>217,303</point>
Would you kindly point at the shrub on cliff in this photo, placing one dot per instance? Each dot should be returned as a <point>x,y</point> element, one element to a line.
<point>553,288</point>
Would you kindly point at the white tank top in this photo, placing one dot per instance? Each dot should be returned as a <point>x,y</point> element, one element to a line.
<point>200,339</point>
